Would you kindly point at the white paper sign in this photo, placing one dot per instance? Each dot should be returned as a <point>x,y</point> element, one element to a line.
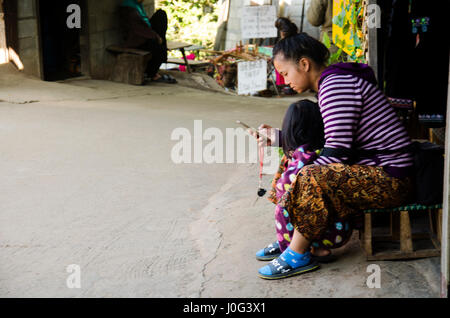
<point>258,22</point>
<point>252,76</point>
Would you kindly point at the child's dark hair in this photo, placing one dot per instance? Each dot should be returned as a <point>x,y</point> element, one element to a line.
<point>302,124</point>
<point>287,26</point>
<point>302,45</point>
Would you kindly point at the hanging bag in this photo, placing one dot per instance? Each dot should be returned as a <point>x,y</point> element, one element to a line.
<point>428,173</point>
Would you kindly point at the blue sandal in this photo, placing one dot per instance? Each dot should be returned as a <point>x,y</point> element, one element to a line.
<point>269,253</point>
<point>279,267</point>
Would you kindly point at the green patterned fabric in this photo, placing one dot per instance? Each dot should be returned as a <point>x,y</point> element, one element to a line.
<point>409,207</point>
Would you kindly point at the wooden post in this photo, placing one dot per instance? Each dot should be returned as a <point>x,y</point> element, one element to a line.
<point>439,224</point>
<point>367,240</point>
<point>405,233</point>
<point>188,68</point>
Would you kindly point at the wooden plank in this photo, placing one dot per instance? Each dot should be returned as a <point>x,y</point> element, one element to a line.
<point>119,49</point>
<point>389,238</point>
<point>175,45</point>
<point>191,62</point>
<point>395,255</point>
<point>439,224</point>
<point>194,48</point>
<point>367,243</point>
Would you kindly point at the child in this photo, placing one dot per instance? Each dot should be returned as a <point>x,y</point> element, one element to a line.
<point>285,28</point>
<point>302,139</point>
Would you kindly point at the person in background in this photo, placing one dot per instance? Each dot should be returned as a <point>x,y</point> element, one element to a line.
<point>148,34</point>
<point>285,28</point>
<point>320,13</point>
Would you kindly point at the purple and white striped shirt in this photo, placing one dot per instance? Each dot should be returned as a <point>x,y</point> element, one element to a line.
<point>357,115</point>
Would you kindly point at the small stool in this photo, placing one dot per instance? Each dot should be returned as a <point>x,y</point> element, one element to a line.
<point>175,45</point>
<point>400,230</point>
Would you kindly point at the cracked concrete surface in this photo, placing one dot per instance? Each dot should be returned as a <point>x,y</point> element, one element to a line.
<point>87,179</point>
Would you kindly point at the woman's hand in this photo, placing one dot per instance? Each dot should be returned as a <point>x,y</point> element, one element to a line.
<point>265,130</point>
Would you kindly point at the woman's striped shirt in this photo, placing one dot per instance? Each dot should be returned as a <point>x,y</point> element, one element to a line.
<point>357,115</point>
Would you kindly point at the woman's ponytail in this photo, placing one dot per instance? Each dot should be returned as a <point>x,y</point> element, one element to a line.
<point>302,45</point>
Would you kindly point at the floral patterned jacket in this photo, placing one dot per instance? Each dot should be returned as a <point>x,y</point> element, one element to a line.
<point>288,170</point>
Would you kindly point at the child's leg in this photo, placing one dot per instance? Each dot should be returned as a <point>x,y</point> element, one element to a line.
<point>336,236</point>
<point>295,260</point>
<point>320,251</point>
<point>284,228</point>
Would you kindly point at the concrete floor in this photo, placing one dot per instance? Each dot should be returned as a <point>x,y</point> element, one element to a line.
<point>87,179</point>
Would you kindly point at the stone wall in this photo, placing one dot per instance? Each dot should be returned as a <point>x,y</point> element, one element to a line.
<point>28,37</point>
<point>100,28</point>
<point>103,30</point>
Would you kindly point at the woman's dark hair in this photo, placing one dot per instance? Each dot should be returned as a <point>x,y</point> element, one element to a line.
<point>287,26</point>
<point>302,45</point>
<point>302,124</point>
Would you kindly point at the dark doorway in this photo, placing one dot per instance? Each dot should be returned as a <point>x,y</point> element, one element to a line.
<point>10,8</point>
<point>60,44</point>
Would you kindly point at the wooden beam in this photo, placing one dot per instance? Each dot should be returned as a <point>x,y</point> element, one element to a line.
<point>405,233</point>
<point>396,255</point>
<point>367,239</point>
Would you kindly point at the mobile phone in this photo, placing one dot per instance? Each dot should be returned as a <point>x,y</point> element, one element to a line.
<point>252,129</point>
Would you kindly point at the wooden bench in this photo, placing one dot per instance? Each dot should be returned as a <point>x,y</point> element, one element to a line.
<point>400,230</point>
<point>183,47</point>
<point>130,65</point>
<point>192,63</point>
